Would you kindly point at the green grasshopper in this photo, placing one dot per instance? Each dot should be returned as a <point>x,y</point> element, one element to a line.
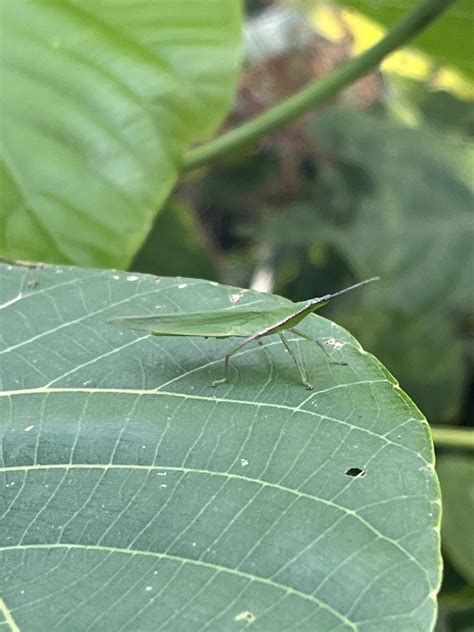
<point>239,322</point>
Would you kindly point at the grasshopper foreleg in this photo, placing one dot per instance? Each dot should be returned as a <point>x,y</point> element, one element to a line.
<point>296,360</point>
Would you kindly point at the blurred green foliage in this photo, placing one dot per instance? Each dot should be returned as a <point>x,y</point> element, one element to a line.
<point>177,234</point>
<point>449,41</point>
<point>456,604</point>
<point>436,109</point>
<point>456,473</point>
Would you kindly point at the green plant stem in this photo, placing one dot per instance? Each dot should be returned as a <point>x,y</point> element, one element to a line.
<point>453,437</point>
<point>319,91</point>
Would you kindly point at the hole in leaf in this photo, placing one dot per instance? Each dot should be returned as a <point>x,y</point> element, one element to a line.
<point>355,472</point>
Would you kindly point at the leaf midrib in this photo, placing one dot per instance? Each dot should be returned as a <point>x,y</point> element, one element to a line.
<point>293,409</point>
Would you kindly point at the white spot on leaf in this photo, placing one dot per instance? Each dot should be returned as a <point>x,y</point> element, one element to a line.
<point>336,344</point>
<point>245,616</point>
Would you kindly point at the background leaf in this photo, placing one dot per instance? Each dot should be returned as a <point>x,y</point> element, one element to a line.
<point>99,102</point>
<point>136,495</point>
<point>176,245</point>
<point>448,40</point>
<point>456,474</point>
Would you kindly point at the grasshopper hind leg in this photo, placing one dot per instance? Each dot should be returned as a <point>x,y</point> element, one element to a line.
<point>227,357</point>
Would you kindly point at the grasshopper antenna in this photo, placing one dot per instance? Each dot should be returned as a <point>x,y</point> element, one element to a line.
<point>328,297</point>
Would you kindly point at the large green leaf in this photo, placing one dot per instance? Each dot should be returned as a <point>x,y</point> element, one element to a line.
<point>449,39</point>
<point>457,479</point>
<point>136,496</point>
<point>100,99</point>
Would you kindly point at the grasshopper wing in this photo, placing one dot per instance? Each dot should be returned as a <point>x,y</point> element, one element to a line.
<point>224,323</point>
